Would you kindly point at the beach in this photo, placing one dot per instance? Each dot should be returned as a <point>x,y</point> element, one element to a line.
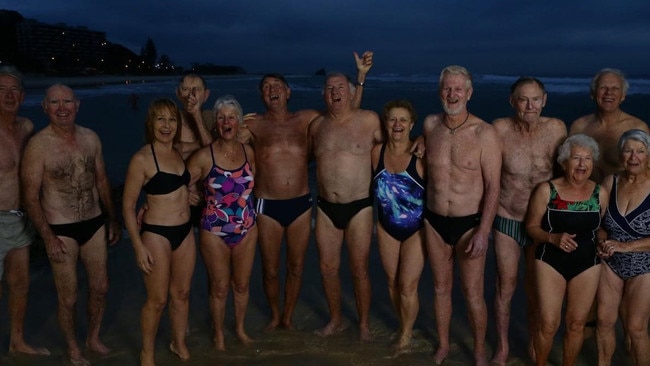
<point>106,109</point>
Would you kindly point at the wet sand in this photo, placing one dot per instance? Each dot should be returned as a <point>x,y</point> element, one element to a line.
<point>121,332</point>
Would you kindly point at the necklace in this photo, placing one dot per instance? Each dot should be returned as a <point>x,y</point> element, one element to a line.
<point>453,130</point>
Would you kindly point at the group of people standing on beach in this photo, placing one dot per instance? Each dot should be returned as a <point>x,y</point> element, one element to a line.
<point>242,180</point>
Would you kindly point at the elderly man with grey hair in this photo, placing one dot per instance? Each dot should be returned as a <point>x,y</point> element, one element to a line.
<point>16,234</point>
<point>607,124</point>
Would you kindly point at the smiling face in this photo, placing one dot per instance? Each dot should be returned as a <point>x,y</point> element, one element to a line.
<point>338,92</point>
<point>227,119</point>
<point>399,124</point>
<point>608,92</point>
<point>455,92</point>
<point>634,157</point>
<point>528,101</point>
<point>61,106</point>
<point>275,92</point>
<point>580,163</point>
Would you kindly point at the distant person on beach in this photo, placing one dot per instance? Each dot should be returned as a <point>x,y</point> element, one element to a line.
<point>463,155</point>
<point>284,203</point>
<point>563,219</point>
<point>16,233</point>
<point>192,92</point>
<point>68,198</point>
<point>625,279</point>
<point>341,140</point>
<point>607,124</point>
<point>228,234</point>
<point>529,145</point>
<point>164,244</point>
<point>399,187</point>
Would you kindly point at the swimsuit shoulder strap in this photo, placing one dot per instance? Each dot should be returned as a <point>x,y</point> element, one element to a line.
<point>380,163</point>
<point>212,155</point>
<point>154,158</point>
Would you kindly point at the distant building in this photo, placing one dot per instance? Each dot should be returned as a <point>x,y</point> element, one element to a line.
<point>60,48</point>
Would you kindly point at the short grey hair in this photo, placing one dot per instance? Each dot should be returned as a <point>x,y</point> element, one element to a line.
<point>229,101</point>
<point>456,70</point>
<point>636,135</point>
<point>578,140</point>
<point>605,71</point>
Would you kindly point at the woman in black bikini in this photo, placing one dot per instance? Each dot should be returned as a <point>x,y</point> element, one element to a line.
<point>164,244</point>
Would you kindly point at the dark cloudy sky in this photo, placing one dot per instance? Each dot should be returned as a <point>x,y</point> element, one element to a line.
<point>569,37</point>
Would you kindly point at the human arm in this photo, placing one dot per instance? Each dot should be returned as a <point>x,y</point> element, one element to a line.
<point>135,179</point>
<point>105,194</point>
<point>491,173</point>
<point>536,211</point>
<point>364,63</point>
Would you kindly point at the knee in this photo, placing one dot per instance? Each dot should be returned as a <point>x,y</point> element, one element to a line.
<point>442,288</point>
<point>156,304</point>
<point>219,291</point>
<point>360,272</point>
<point>99,288</point>
<point>68,301</point>
<point>295,269</point>
<point>18,286</point>
<point>575,326</point>
<point>637,330</point>
<point>328,270</point>
<point>240,288</point>
<point>270,273</point>
<point>180,295</point>
<point>548,327</point>
<point>408,289</point>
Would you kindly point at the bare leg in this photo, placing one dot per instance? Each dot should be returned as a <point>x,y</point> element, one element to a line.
<point>329,240</point>
<point>580,297</point>
<point>472,277</point>
<point>530,287</point>
<point>442,266</point>
<point>157,285</point>
<point>65,280</point>
<point>216,256</point>
<point>389,253</point>
<point>357,237</point>
<point>507,259</point>
<point>637,313</point>
<point>270,242</point>
<point>94,256</point>
<point>183,260</point>
<point>412,257</point>
<point>242,257</point>
<point>550,293</point>
<point>610,291</point>
<point>297,242</point>
<point>17,275</point>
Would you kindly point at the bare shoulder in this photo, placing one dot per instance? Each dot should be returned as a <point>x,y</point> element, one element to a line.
<point>25,124</point>
<point>431,120</point>
<point>307,115</point>
<point>484,130</point>
<point>249,150</point>
<point>607,183</point>
<point>580,124</point>
<point>502,125</point>
<point>554,125</point>
<point>632,122</point>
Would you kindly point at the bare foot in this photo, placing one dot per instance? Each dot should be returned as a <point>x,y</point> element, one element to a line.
<point>98,347</point>
<point>180,351</point>
<point>331,329</point>
<point>440,356</point>
<point>244,338</point>
<point>147,359</point>
<point>28,350</point>
<point>76,359</point>
<point>364,334</point>
<point>500,358</point>
<point>287,325</point>
<point>219,342</point>
<point>273,324</point>
<point>402,345</point>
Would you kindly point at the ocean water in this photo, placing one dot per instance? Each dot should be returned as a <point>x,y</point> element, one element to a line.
<point>106,108</point>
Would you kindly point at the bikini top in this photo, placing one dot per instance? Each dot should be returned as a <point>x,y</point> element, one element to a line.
<point>163,182</point>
